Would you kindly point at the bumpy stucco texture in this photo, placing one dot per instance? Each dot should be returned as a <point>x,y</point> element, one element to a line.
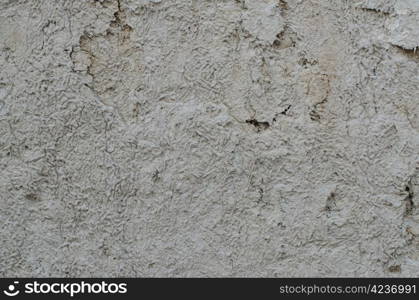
<point>209,138</point>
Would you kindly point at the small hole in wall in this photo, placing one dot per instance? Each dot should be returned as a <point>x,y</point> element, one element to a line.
<point>32,197</point>
<point>395,269</point>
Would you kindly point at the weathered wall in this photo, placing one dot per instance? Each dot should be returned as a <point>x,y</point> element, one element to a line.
<point>209,138</point>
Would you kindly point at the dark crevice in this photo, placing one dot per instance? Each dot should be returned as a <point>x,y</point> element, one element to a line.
<point>156,176</point>
<point>314,115</point>
<point>410,205</point>
<point>412,53</point>
<point>260,125</point>
<point>119,19</point>
<point>376,10</point>
<point>285,111</point>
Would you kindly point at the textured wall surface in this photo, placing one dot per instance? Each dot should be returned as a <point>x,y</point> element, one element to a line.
<point>209,138</point>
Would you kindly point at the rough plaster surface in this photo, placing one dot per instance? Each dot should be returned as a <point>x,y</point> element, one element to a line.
<point>209,138</point>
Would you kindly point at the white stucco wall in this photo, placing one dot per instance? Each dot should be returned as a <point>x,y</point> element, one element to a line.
<point>209,138</point>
